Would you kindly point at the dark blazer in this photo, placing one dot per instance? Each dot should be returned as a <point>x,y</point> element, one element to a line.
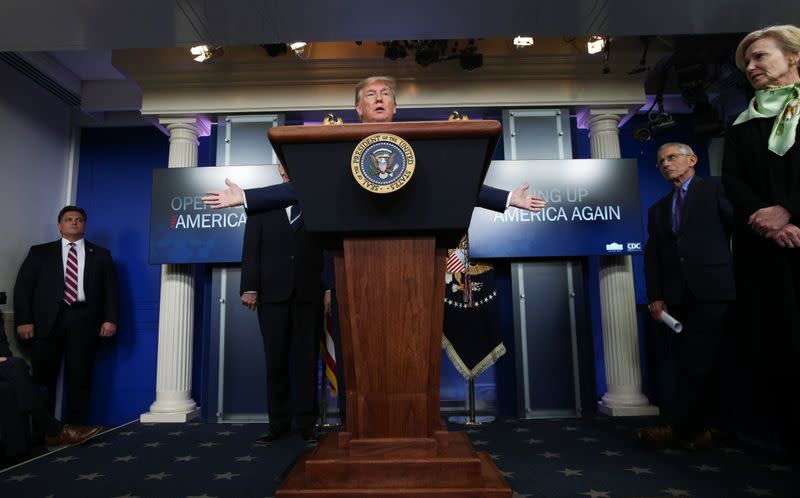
<point>276,260</point>
<point>698,257</point>
<point>283,195</point>
<point>39,289</point>
<point>5,349</point>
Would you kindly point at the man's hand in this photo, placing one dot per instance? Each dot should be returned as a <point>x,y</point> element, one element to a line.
<point>656,307</point>
<point>2,359</point>
<point>788,236</point>
<point>769,219</point>
<point>25,331</point>
<point>327,302</point>
<point>231,196</point>
<point>250,299</point>
<point>522,199</point>
<point>108,329</point>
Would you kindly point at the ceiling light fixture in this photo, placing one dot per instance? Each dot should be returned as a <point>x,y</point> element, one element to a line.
<point>596,44</point>
<point>470,59</point>
<point>523,41</point>
<point>299,48</point>
<point>206,53</point>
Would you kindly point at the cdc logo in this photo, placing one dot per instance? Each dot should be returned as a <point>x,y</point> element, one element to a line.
<point>634,246</point>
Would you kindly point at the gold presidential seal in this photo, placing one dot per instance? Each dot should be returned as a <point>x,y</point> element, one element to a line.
<point>383,163</point>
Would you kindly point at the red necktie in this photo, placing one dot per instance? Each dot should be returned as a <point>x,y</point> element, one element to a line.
<point>71,275</point>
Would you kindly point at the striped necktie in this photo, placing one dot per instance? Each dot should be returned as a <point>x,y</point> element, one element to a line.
<point>295,217</point>
<point>71,275</point>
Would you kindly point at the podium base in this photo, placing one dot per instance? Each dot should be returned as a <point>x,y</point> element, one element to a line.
<point>454,471</point>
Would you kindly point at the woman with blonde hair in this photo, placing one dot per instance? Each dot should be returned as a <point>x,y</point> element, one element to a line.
<point>761,174</point>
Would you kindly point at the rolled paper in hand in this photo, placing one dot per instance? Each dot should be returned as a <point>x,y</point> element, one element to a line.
<point>671,322</point>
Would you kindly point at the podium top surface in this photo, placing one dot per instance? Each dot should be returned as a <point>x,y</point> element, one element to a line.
<point>412,130</point>
<point>451,158</point>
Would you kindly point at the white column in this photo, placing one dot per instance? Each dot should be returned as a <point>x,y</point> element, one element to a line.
<point>174,401</point>
<point>617,301</point>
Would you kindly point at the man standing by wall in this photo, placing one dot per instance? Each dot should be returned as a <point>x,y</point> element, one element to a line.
<point>689,274</point>
<point>66,297</point>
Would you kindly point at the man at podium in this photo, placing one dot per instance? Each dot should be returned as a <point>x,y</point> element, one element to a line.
<point>375,103</point>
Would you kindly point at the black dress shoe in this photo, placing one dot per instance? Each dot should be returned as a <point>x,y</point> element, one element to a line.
<point>270,436</point>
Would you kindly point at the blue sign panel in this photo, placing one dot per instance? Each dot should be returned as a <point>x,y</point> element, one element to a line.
<point>184,230</point>
<point>592,209</point>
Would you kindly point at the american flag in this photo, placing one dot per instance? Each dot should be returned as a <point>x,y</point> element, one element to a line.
<point>455,263</point>
<point>328,351</point>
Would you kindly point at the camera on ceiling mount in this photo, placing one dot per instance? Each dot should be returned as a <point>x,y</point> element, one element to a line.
<point>656,123</point>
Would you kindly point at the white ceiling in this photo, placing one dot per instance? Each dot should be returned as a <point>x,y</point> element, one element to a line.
<point>49,25</point>
<point>76,37</point>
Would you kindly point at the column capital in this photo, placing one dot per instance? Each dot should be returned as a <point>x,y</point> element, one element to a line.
<point>200,124</point>
<point>588,116</point>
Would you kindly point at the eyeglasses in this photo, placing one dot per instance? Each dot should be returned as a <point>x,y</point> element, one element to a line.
<point>670,158</point>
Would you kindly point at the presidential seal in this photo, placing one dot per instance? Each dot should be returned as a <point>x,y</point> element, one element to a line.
<point>383,163</point>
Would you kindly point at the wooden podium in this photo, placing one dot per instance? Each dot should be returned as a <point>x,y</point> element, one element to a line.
<point>389,253</point>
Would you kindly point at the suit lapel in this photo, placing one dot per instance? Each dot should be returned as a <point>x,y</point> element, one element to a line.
<point>665,214</point>
<point>691,194</point>
<point>56,263</point>
<point>88,250</point>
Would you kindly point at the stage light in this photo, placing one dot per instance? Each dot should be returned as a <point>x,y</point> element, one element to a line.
<point>275,49</point>
<point>523,41</point>
<point>596,44</point>
<point>206,53</point>
<point>298,47</point>
<point>430,51</point>
<point>470,59</point>
<point>395,50</point>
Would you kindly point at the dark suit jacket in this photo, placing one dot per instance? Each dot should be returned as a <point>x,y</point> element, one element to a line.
<point>698,257</point>
<point>276,260</point>
<point>39,289</point>
<point>283,195</point>
<point>5,349</point>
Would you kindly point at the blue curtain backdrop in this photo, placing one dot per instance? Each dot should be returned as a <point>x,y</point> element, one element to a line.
<point>114,183</point>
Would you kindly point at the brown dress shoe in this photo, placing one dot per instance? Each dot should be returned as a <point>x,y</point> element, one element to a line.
<point>702,441</point>
<point>73,434</point>
<point>656,436</point>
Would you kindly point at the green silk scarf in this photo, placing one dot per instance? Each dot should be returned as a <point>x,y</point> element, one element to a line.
<point>783,103</point>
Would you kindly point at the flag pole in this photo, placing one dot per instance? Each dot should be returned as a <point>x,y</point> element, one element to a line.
<point>472,419</point>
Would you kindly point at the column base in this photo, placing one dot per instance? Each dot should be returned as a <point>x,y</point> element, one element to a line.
<point>627,411</point>
<point>174,417</point>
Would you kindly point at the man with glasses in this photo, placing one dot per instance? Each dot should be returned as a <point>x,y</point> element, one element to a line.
<point>689,272</point>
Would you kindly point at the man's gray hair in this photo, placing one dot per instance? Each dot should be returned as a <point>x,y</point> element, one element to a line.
<point>390,82</point>
<point>685,149</point>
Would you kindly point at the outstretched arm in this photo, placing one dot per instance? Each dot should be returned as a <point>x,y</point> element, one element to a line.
<point>230,197</point>
<point>522,199</point>
<point>255,200</point>
<point>498,200</point>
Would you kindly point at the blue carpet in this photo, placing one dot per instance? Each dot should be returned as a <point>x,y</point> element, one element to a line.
<point>540,459</point>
